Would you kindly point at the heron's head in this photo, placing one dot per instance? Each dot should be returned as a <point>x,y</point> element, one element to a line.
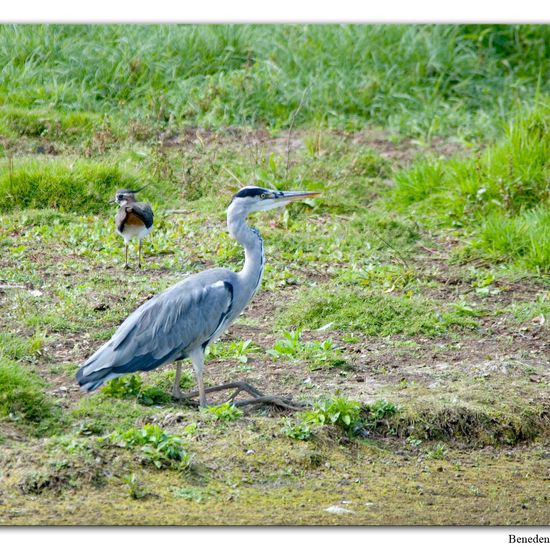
<point>254,199</point>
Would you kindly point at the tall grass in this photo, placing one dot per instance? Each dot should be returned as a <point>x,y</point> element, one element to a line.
<point>504,193</point>
<point>83,186</point>
<point>417,79</point>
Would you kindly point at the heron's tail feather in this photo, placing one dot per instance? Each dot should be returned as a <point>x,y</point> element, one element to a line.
<point>95,379</point>
<point>94,373</point>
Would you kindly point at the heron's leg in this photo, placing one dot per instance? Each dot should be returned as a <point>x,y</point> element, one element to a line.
<point>176,390</point>
<point>126,266</point>
<point>197,357</point>
<point>139,253</point>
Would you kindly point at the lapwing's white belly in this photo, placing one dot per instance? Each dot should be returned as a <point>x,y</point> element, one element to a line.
<point>133,231</point>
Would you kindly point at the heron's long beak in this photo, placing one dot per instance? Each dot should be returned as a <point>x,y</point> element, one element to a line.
<point>288,196</point>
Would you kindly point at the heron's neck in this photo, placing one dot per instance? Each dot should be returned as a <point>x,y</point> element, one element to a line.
<point>252,242</point>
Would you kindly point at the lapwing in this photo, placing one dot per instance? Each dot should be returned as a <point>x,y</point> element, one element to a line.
<point>133,220</point>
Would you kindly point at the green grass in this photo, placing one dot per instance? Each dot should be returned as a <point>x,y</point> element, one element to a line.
<point>536,311</point>
<point>23,399</point>
<point>524,238</point>
<point>501,196</point>
<point>51,125</point>
<point>99,414</point>
<point>373,313</point>
<point>17,348</point>
<point>77,185</point>
<point>416,79</point>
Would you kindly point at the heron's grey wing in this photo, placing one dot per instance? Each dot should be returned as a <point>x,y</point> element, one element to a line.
<point>163,329</point>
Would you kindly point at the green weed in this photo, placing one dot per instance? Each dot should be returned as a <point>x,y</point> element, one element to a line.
<point>438,452</point>
<point>125,387</point>
<point>239,349</point>
<point>374,413</point>
<point>157,447</point>
<point>337,411</point>
<point>352,417</point>
<point>289,345</point>
<point>301,431</point>
<point>226,412</point>
<point>317,354</point>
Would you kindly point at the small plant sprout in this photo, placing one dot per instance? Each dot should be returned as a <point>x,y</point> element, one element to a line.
<point>123,387</point>
<point>438,452</point>
<point>136,489</point>
<point>338,411</point>
<point>318,354</point>
<point>226,412</point>
<point>300,430</point>
<point>239,349</point>
<point>288,345</point>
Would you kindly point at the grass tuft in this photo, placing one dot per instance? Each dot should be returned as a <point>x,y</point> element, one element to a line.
<point>503,194</point>
<point>376,314</point>
<point>23,399</point>
<point>79,186</point>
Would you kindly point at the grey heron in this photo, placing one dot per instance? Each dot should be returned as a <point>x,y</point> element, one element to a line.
<point>133,220</point>
<point>180,322</point>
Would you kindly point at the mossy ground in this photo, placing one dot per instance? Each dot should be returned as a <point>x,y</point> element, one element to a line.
<point>462,351</point>
<point>248,474</point>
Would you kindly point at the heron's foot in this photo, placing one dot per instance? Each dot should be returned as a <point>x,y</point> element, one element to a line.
<point>126,266</point>
<point>257,399</point>
<point>180,396</point>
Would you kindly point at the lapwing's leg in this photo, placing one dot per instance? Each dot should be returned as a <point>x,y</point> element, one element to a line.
<point>126,266</point>
<point>139,253</point>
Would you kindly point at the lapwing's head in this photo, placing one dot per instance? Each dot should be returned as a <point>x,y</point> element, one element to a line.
<point>125,196</point>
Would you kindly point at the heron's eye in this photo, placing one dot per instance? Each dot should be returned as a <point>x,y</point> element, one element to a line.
<point>264,196</point>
